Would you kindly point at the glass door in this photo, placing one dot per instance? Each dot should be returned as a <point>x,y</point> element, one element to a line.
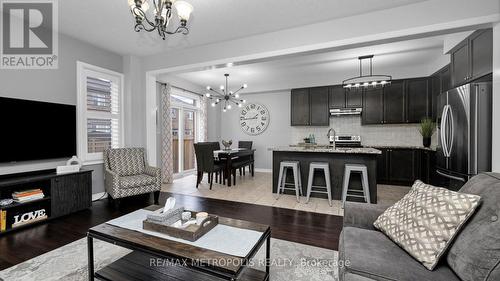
<point>184,114</point>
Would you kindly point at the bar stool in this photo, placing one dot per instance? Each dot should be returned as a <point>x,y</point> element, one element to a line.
<point>297,182</point>
<point>326,169</point>
<point>358,168</point>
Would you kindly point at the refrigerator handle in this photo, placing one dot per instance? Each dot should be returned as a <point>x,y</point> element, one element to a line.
<point>450,176</point>
<point>444,131</point>
<point>452,131</point>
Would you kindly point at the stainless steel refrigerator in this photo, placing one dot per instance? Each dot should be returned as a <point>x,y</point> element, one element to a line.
<point>464,133</point>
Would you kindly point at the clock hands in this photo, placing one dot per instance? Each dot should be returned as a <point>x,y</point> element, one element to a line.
<point>255,117</point>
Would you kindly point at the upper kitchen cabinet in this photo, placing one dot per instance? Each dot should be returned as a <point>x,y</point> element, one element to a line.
<point>440,82</point>
<point>417,99</point>
<point>394,102</point>
<point>342,98</point>
<point>373,106</point>
<point>337,96</point>
<point>309,107</point>
<point>318,99</point>
<point>472,58</point>
<point>300,107</point>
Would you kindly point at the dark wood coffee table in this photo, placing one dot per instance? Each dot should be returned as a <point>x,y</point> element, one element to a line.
<point>154,258</point>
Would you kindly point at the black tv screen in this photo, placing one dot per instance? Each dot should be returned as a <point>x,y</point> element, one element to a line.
<point>33,130</point>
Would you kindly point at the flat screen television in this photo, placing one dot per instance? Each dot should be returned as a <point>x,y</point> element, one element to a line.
<point>33,130</point>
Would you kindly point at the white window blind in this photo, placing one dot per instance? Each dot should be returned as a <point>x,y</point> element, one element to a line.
<point>99,112</point>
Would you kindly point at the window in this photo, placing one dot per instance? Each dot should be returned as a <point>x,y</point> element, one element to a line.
<point>99,111</point>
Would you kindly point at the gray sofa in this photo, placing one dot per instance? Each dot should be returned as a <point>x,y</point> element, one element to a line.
<point>367,254</point>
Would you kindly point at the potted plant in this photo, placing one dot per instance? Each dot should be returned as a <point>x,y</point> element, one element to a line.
<point>427,128</point>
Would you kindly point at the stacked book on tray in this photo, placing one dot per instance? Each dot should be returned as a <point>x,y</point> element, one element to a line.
<point>27,195</point>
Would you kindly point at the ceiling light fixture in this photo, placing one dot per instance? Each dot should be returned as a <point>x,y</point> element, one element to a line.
<point>226,96</point>
<point>162,15</point>
<point>365,81</point>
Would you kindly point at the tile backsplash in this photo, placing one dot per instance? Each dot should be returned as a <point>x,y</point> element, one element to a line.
<point>371,135</point>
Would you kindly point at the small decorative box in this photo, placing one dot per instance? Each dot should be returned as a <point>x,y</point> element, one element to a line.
<point>168,218</point>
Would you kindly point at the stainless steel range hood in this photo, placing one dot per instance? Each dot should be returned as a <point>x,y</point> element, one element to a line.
<point>345,111</point>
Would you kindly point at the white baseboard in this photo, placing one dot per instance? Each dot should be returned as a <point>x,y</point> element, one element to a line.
<point>97,196</point>
<point>260,170</point>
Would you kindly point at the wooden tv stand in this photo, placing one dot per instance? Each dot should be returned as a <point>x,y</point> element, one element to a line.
<point>64,194</point>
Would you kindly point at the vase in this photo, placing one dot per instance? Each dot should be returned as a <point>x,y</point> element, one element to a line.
<point>426,141</point>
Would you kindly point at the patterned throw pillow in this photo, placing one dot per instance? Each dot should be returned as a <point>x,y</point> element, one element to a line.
<point>425,221</point>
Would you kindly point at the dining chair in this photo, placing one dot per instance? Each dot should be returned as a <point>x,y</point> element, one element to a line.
<point>247,160</point>
<point>205,162</point>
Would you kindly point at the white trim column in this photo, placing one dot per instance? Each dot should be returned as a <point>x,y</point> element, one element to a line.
<point>496,99</point>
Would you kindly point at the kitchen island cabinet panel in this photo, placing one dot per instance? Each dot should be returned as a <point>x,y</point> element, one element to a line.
<point>336,162</point>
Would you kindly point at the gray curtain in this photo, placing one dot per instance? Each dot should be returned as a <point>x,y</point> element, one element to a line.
<point>167,159</point>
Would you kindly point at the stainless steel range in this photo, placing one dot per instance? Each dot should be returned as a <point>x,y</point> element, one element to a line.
<point>348,141</point>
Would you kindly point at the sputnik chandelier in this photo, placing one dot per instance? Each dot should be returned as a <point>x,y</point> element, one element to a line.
<point>225,96</point>
<point>162,13</point>
<point>365,81</point>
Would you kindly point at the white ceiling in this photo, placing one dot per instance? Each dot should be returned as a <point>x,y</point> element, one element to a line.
<point>401,59</point>
<point>109,24</point>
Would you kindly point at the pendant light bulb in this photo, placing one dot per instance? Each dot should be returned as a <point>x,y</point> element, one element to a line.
<point>229,106</point>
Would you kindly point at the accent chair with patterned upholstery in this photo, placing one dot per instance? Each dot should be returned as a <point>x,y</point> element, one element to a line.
<point>126,173</point>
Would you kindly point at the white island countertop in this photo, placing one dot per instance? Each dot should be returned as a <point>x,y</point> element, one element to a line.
<point>327,149</point>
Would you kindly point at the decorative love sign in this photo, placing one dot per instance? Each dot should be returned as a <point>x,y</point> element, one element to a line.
<point>29,216</point>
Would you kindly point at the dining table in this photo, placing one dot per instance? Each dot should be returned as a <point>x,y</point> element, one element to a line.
<point>228,156</point>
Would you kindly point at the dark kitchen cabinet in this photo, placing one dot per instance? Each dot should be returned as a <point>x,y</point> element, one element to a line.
<point>373,106</point>
<point>417,100</point>
<point>472,58</point>
<point>353,98</point>
<point>440,83</point>
<point>300,107</point>
<point>394,102</point>
<point>460,64</point>
<point>318,98</point>
<point>337,96</point>
<point>481,52</point>
<point>382,164</point>
<point>402,167</point>
<point>309,107</point>
<point>343,98</point>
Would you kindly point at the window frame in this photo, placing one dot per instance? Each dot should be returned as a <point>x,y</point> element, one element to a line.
<point>196,119</point>
<point>83,71</point>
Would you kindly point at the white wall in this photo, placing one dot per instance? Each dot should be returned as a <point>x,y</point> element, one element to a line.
<point>496,99</point>
<point>58,86</point>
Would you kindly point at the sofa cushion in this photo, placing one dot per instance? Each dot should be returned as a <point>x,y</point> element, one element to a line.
<point>425,221</point>
<point>369,253</point>
<point>127,161</point>
<point>475,254</point>
<point>136,181</point>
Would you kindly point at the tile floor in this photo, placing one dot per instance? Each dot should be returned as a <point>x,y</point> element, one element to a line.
<point>257,190</point>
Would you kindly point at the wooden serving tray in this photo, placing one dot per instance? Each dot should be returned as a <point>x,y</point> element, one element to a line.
<point>191,233</point>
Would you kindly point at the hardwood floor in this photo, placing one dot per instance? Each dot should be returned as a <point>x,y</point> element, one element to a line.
<point>298,226</point>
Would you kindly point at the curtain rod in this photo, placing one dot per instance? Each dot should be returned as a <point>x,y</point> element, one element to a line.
<point>179,88</point>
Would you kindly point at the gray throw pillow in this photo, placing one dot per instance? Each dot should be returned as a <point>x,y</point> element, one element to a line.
<point>425,221</point>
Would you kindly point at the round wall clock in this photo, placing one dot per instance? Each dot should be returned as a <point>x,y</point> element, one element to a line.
<point>254,118</point>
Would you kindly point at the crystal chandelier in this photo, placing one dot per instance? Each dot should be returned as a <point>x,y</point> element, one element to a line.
<point>365,81</point>
<point>225,96</point>
<point>162,15</point>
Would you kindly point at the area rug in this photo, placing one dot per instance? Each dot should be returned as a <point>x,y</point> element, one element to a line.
<point>290,261</point>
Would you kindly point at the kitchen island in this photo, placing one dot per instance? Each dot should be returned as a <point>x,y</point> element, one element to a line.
<point>337,158</point>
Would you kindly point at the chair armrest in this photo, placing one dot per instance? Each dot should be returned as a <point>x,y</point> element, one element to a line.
<point>152,171</point>
<point>111,181</point>
<point>362,215</point>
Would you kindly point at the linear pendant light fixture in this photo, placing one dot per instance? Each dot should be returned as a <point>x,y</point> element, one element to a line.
<point>365,81</point>
<point>226,96</point>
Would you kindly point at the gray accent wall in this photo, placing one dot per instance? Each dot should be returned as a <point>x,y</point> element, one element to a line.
<point>58,86</point>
